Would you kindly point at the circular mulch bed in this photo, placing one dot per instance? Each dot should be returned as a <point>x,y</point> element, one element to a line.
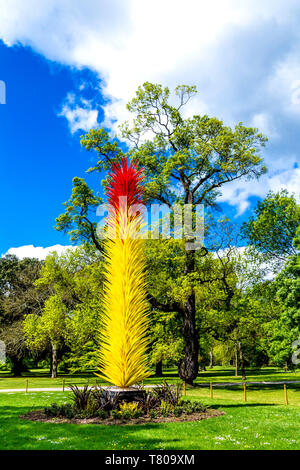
<point>40,416</point>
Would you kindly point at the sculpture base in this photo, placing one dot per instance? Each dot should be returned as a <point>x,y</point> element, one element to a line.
<point>126,394</point>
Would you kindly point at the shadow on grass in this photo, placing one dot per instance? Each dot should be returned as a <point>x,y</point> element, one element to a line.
<point>25,434</point>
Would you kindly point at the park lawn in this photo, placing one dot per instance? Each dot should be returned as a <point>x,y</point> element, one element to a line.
<point>39,378</point>
<point>245,426</point>
<point>255,394</point>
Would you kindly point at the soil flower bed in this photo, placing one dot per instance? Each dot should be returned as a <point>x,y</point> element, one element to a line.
<point>98,406</point>
<point>42,417</point>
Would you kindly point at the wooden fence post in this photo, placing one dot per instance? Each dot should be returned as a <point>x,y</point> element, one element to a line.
<point>211,390</point>
<point>245,392</point>
<point>286,395</point>
<point>26,386</point>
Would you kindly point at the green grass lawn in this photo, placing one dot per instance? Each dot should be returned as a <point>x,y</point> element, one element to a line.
<point>263,422</point>
<point>245,426</point>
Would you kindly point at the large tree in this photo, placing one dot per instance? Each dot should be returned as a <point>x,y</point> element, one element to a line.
<point>286,329</point>
<point>69,320</point>
<point>47,328</point>
<point>17,299</point>
<point>185,161</point>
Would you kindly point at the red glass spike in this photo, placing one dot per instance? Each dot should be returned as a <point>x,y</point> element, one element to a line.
<point>125,181</point>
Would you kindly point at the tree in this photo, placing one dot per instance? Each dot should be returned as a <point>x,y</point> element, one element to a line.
<point>17,299</point>
<point>229,308</point>
<point>48,328</point>
<point>77,220</point>
<point>198,155</point>
<point>74,281</point>
<point>272,229</point>
<point>286,329</point>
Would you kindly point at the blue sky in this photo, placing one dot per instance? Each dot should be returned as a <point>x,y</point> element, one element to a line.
<point>39,156</point>
<point>69,66</point>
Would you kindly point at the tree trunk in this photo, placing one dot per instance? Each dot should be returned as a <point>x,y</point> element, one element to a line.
<point>242,360</point>
<point>54,361</point>
<point>189,365</point>
<point>211,360</point>
<point>158,369</point>
<point>51,364</point>
<point>17,366</point>
<point>236,358</point>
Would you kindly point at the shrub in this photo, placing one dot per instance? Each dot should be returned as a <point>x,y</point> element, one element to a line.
<point>65,410</point>
<point>198,407</point>
<point>52,410</point>
<point>178,410</point>
<point>114,414</point>
<point>80,397</point>
<point>166,408</point>
<point>188,410</point>
<point>130,410</point>
<point>85,414</point>
<point>153,414</point>
<point>131,407</point>
<point>137,413</point>
<point>124,414</point>
<point>102,414</point>
<point>149,401</point>
<point>103,399</point>
<point>169,393</point>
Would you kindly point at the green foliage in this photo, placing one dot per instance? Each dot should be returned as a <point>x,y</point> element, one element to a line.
<point>55,410</point>
<point>178,410</point>
<point>102,414</point>
<point>80,397</point>
<point>169,393</point>
<point>153,414</point>
<point>77,220</point>
<point>49,327</point>
<point>200,152</point>
<point>166,408</point>
<point>286,329</point>
<point>103,399</point>
<point>129,410</point>
<point>184,161</point>
<point>150,401</point>
<point>71,316</point>
<point>273,228</point>
<point>18,298</point>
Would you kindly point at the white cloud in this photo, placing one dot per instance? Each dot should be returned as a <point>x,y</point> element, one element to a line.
<point>242,55</point>
<point>289,180</point>
<point>263,122</point>
<point>129,42</point>
<point>79,116</point>
<point>285,83</point>
<point>237,194</point>
<point>31,251</point>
